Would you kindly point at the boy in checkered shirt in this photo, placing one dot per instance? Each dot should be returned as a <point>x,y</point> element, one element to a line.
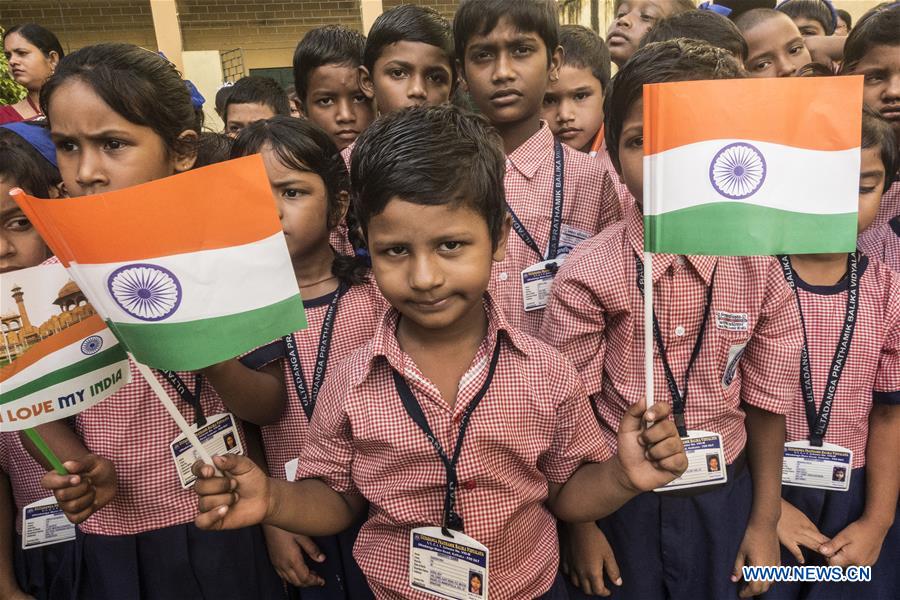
<point>446,375</point>
<point>507,53</point>
<point>848,400</point>
<point>728,330</point>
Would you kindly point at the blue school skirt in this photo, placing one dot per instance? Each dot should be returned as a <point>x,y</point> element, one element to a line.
<point>343,578</point>
<point>45,572</point>
<point>832,512</point>
<point>679,545</point>
<point>179,562</point>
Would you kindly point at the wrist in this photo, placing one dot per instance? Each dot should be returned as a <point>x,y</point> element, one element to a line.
<point>621,477</point>
<point>878,523</point>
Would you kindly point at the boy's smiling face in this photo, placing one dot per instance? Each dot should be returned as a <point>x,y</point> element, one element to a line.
<point>573,107</point>
<point>408,74</point>
<point>335,103</point>
<point>776,48</point>
<point>433,263</point>
<point>506,73</point>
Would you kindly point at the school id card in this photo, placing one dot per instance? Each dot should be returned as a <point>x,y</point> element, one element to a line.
<point>218,436</point>
<point>536,282</point>
<point>706,462</point>
<point>825,467</point>
<point>44,523</point>
<point>452,566</point>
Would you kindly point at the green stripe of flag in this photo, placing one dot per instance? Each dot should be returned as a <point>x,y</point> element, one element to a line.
<point>192,345</point>
<point>740,229</point>
<point>91,363</point>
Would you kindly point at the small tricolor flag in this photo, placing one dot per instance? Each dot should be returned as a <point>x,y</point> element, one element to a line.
<point>58,356</point>
<point>752,166</point>
<point>187,271</point>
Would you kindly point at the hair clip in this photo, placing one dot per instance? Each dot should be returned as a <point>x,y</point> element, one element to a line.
<point>710,6</point>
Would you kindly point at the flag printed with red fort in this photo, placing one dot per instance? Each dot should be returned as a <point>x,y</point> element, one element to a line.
<point>187,271</point>
<point>58,357</point>
<point>750,167</point>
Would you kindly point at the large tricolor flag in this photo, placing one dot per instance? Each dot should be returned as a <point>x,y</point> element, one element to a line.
<point>752,166</point>
<point>58,357</point>
<point>187,271</point>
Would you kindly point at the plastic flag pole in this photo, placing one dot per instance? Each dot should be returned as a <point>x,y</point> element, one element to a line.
<point>174,412</point>
<point>46,451</point>
<point>648,329</point>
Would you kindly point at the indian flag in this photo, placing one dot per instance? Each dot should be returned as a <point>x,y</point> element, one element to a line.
<point>752,166</point>
<point>58,356</point>
<point>187,271</point>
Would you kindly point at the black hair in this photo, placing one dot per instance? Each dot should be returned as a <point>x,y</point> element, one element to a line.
<point>212,148</point>
<point>430,156</point>
<point>878,27</point>
<point>140,85</point>
<point>680,6</point>
<point>844,16</point>
<point>303,146</point>
<point>749,19</point>
<point>814,69</point>
<point>584,49</point>
<point>701,25</point>
<point>259,90</point>
<point>222,98</point>
<point>673,60</point>
<point>38,36</point>
<point>328,45</point>
<point>24,167</point>
<point>821,11</point>
<point>409,23</point>
<point>479,17</point>
<point>878,133</point>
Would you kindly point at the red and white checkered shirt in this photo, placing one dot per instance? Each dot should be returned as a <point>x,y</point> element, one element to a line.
<point>358,312</point>
<point>529,192</point>
<point>613,184</point>
<point>533,426</point>
<point>883,243</point>
<point>133,430</point>
<point>596,318</point>
<point>24,474</point>
<point>872,364</point>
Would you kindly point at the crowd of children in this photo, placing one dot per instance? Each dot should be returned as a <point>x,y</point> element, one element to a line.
<point>462,205</point>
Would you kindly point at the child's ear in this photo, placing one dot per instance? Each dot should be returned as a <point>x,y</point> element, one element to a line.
<point>184,160</point>
<point>365,83</point>
<point>500,248</point>
<point>556,61</point>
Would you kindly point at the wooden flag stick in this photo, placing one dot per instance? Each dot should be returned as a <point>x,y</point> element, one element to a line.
<point>648,329</point>
<point>173,411</point>
<point>46,451</point>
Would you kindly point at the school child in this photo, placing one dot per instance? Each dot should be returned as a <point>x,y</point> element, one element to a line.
<point>728,332</point>
<point>775,46</point>
<point>311,188</point>
<point>121,116</point>
<point>633,19</point>
<point>507,52</point>
<point>408,60</point>
<point>36,572</point>
<point>812,17</point>
<point>883,243</point>
<point>844,23</point>
<point>873,50</point>
<point>443,370</point>
<point>573,104</point>
<point>326,77</point>
<point>704,25</point>
<point>253,99</point>
<point>847,401</point>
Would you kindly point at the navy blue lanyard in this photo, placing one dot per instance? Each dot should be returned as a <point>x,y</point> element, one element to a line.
<point>818,421</point>
<point>679,395</point>
<point>186,395</point>
<point>556,215</point>
<point>451,519</point>
<point>308,397</point>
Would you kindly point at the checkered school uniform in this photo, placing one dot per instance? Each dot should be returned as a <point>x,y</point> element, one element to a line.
<point>872,368</point>
<point>533,426</point>
<point>24,474</point>
<point>133,430</point>
<point>529,192</point>
<point>357,313</point>
<point>883,243</point>
<point>595,318</point>
<point>613,187</point>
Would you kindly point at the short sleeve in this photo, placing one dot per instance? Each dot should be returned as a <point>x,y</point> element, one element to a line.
<point>887,380</point>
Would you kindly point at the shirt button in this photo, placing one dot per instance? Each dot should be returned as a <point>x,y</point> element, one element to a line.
<point>469,485</point>
<point>679,331</point>
<point>503,276</point>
